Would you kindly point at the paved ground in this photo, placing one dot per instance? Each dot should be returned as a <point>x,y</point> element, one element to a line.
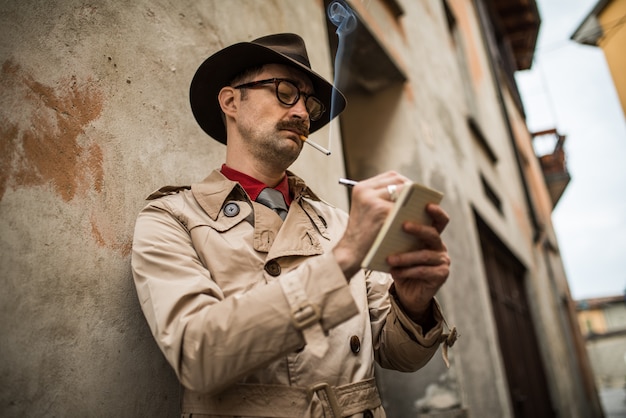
<point>614,402</point>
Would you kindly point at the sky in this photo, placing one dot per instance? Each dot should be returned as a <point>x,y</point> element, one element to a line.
<point>569,87</point>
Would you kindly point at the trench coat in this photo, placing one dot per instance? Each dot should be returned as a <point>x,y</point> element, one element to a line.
<point>254,314</point>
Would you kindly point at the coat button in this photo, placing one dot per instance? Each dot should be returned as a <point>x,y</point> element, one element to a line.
<point>355,344</point>
<point>368,414</point>
<point>231,209</point>
<point>273,268</point>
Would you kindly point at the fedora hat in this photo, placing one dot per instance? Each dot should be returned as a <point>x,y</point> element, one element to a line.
<point>220,68</point>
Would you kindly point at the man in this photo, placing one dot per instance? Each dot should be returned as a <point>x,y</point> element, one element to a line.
<point>266,317</point>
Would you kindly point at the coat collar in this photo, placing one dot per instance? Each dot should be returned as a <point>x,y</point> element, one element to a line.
<point>215,189</point>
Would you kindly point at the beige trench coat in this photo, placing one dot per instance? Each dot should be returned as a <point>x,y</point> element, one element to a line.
<point>235,298</point>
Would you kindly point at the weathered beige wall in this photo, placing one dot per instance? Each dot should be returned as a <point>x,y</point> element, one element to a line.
<point>420,128</point>
<point>94,116</point>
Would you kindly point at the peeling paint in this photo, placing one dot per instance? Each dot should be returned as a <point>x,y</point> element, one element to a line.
<point>8,136</point>
<point>105,237</point>
<point>49,150</point>
<point>43,142</point>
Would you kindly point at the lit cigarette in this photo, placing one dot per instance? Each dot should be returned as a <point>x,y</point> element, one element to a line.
<point>314,145</point>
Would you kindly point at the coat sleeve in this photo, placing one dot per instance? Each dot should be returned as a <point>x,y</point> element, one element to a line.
<point>399,343</point>
<point>210,340</point>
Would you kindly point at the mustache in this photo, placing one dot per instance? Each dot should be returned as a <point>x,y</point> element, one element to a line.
<point>297,125</point>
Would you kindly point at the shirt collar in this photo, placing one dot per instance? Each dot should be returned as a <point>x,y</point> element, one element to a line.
<point>253,186</point>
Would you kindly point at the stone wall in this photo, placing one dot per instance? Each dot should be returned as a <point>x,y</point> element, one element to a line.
<point>94,116</point>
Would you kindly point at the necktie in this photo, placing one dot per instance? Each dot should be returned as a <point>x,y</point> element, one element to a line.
<point>274,200</point>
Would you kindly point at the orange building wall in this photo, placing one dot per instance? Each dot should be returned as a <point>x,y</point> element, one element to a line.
<point>613,43</point>
<point>592,321</point>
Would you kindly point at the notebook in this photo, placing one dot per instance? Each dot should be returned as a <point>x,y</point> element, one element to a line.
<point>391,239</point>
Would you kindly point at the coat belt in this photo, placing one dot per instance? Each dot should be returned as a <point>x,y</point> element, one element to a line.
<point>279,401</point>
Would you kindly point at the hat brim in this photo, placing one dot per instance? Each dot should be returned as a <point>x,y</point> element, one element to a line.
<point>220,68</point>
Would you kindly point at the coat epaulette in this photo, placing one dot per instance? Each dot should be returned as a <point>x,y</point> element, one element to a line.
<point>166,190</point>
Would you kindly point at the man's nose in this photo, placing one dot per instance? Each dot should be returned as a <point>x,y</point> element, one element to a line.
<point>299,108</point>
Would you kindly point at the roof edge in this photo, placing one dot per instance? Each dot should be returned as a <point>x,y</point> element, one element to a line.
<point>589,30</point>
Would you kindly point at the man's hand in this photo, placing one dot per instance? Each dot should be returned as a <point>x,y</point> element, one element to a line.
<point>370,206</point>
<point>419,274</point>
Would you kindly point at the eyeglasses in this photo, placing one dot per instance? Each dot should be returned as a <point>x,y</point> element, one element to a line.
<point>288,94</point>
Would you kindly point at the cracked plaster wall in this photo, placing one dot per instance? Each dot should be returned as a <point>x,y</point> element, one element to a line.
<point>94,116</point>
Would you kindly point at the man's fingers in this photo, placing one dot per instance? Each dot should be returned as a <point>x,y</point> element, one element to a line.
<point>439,217</point>
<point>428,236</point>
<point>429,276</point>
<point>419,258</point>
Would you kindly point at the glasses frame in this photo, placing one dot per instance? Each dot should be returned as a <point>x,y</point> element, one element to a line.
<point>299,93</point>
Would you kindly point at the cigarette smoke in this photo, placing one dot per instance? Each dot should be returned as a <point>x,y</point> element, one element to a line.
<point>345,20</point>
<point>342,17</point>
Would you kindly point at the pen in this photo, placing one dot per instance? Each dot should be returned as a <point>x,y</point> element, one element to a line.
<point>348,182</point>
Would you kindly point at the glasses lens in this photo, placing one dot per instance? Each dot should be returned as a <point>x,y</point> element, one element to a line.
<point>287,93</point>
<point>315,108</point>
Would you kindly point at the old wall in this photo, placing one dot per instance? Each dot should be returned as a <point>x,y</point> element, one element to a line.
<point>608,359</point>
<point>94,116</point>
<point>420,127</point>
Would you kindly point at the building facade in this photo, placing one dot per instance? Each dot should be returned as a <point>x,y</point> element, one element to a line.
<point>602,322</point>
<point>95,116</point>
<point>605,27</point>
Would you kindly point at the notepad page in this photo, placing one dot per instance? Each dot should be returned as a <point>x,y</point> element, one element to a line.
<point>391,239</point>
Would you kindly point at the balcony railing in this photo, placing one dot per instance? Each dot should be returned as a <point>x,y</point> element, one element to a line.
<point>553,163</point>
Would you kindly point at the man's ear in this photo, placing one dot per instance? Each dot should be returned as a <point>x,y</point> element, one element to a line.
<point>228,101</point>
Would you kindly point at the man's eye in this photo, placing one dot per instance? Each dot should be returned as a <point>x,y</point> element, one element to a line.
<point>284,95</point>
